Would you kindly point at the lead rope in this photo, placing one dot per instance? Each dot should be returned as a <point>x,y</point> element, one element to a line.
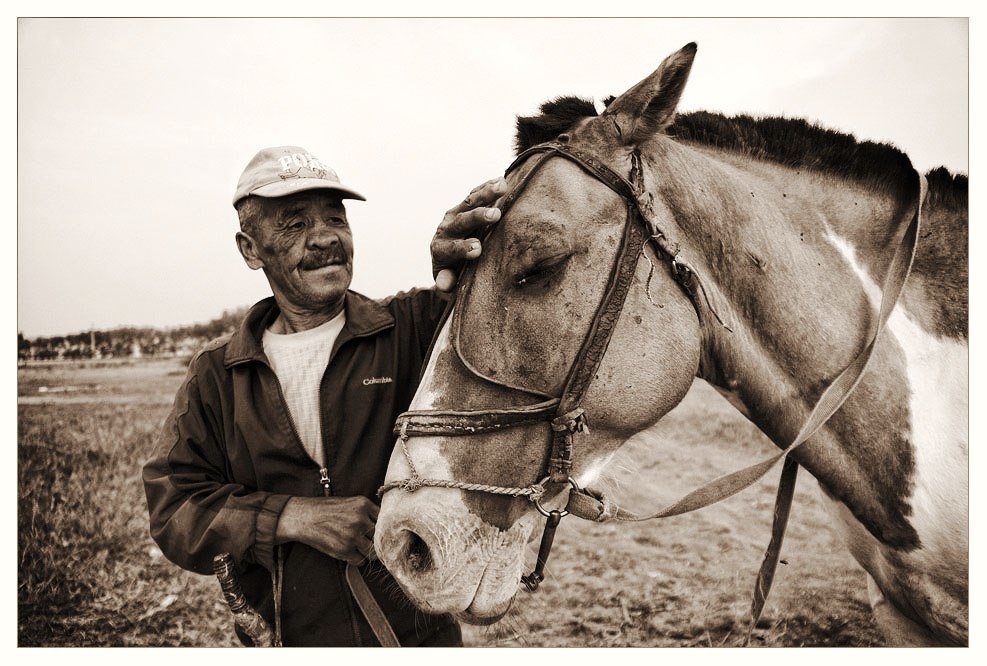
<point>894,282</point>
<point>590,506</point>
<point>595,506</point>
<point>779,522</point>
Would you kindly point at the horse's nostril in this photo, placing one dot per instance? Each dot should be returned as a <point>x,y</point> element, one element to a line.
<point>416,553</point>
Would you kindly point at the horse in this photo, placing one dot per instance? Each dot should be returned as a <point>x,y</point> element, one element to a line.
<point>762,271</point>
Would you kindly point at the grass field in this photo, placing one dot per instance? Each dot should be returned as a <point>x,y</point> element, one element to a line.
<point>89,573</point>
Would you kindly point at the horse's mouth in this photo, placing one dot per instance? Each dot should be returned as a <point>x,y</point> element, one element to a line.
<point>475,582</point>
<point>482,612</point>
<point>468,617</point>
<point>472,615</point>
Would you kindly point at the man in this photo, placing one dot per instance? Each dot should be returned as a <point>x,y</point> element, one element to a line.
<point>281,433</point>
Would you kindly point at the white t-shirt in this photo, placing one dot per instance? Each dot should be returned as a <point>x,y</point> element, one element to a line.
<point>299,360</point>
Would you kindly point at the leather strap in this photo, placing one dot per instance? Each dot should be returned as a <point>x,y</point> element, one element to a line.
<point>370,608</point>
<point>604,322</point>
<point>897,274</point>
<point>589,355</point>
<point>593,505</point>
<point>453,423</point>
<point>779,522</point>
<point>585,160</point>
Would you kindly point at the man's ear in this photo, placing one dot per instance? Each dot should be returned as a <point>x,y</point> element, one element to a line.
<point>248,249</point>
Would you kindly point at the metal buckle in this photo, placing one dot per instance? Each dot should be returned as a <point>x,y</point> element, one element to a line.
<point>536,498</point>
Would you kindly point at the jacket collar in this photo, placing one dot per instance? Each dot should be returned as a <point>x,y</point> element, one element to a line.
<point>364,316</point>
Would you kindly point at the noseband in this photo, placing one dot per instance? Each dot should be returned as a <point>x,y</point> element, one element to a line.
<point>564,413</point>
<point>567,417</point>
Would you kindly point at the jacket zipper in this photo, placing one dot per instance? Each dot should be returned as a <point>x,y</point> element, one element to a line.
<point>324,482</point>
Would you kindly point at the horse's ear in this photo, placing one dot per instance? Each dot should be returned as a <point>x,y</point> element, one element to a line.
<point>649,107</point>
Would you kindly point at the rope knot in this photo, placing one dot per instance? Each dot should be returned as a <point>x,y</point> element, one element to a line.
<point>411,485</point>
<point>573,422</point>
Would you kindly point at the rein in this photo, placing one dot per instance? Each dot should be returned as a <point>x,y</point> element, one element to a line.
<point>565,414</point>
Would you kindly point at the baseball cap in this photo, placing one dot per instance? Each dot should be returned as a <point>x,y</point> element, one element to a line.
<point>276,172</point>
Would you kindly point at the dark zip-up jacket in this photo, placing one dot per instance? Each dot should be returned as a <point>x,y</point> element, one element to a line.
<point>229,459</point>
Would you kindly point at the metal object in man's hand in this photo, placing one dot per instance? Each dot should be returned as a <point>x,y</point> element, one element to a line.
<point>244,615</point>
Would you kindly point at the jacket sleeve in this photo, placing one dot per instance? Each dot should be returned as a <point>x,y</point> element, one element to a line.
<point>196,512</point>
<point>422,310</point>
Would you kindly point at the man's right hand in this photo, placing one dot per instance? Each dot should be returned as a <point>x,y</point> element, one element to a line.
<point>455,240</point>
<point>341,527</point>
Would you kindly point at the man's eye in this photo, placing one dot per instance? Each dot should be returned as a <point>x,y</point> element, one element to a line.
<point>296,225</point>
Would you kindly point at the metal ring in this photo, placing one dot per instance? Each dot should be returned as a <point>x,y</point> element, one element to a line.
<point>541,509</point>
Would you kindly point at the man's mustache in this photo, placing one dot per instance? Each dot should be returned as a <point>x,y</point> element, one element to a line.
<point>333,255</point>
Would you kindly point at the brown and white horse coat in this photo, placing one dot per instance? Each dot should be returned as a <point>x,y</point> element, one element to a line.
<point>792,229</point>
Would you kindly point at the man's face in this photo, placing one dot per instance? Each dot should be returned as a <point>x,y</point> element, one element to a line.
<point>305,247</point>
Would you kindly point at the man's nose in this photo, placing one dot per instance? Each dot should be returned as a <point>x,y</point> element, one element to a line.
<point>322,236</point>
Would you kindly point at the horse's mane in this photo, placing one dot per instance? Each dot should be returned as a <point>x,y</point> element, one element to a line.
<point>797,143</point>
<point>793,142</point>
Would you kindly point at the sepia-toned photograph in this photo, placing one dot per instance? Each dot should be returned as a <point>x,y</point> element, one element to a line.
<point>492,332</point>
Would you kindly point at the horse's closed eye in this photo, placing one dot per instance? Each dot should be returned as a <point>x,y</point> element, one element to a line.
<point>541,270</point>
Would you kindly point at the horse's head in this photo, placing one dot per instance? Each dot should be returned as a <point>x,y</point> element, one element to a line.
<point>512,341</point>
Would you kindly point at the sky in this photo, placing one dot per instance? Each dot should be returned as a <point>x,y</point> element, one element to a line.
<point>132,133</point>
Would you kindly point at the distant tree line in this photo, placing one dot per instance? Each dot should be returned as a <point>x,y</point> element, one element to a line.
<point>129,341</point>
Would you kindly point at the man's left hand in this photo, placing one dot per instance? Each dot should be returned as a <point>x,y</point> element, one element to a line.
<point>454,241</point>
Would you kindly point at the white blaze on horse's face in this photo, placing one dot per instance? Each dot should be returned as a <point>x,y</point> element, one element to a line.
<point>537,287</point>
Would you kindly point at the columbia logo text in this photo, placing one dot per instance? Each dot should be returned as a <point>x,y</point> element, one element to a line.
<point>377,380</point>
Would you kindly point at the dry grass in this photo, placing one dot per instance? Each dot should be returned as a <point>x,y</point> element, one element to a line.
<point>89,573</point>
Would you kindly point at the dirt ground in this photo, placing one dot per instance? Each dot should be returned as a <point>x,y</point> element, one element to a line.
<point>89,573</point>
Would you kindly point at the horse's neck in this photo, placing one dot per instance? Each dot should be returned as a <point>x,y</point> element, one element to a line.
<point>784,253</point>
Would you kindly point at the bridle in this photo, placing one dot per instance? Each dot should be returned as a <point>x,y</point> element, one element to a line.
<point>564,413</point>
<point>567,417</point>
